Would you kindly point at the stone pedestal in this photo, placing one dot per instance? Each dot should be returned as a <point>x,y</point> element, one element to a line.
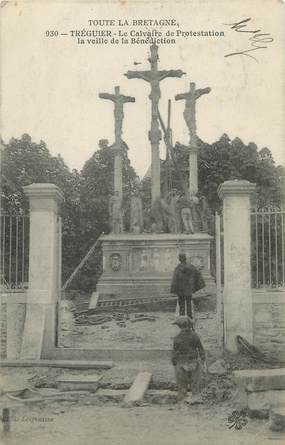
<point>44,270</point>
<point>238,317</point>
<point>141,266</point>
<point>155,172</point>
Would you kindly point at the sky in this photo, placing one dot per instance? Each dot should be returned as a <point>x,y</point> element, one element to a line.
<point>50,85</point>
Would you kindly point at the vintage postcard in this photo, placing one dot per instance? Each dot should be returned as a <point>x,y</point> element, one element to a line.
<point>142,249</point>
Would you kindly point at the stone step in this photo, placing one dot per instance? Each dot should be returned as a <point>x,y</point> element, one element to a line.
<point>71,364</point>
<point>260,379</point>
<point>277,418</point>
<point>78,382</point>
<point>153,396</point>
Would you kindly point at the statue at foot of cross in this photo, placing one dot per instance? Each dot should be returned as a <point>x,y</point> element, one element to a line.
<point>195,213</point>
<point>175,213</point>
<point>165,214</point>
<point>136,220</point>
<point>116,213</point>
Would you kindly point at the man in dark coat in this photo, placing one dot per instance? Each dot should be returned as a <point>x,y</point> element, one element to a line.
<point>188,358</point>
<point>186,280</point>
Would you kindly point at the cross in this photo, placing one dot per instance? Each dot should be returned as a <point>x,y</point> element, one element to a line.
<point>190,109</point>
<point>154,77</point>
<point>119,101</point>
<point>190,117</point>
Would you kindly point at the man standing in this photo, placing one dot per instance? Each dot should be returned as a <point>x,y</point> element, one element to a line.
<point>188,358</point>
<point>186,280</point>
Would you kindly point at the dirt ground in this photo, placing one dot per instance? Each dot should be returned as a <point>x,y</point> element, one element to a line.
<point>67,424</point>
<point>88,420</point>
<point>130,331</point>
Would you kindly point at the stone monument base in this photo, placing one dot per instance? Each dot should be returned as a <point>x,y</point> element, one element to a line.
<point>140,266</point>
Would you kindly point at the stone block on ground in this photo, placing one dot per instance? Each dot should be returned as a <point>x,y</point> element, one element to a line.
<point>155,397</point>
<point>137,391</point>
<point>78,382</point>
<point>161,397</point>
<point>55,395</point>
<point>277,418</point>
<point>49,392</point>
<point>260,379</point>
<point>110,395</point>
<point>218,368</point>
<point>93,300</point>
<point>259,403</point>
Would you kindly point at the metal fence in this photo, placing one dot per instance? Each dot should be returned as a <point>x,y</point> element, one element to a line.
<point>14,258</point>
<point>267,247</point>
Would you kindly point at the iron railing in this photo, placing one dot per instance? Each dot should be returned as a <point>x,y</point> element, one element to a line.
<point>14,258</point>
<point>268,248</point>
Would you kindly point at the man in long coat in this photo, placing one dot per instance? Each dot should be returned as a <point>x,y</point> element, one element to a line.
<point>186,280</point>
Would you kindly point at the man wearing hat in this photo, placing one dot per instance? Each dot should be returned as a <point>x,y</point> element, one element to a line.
<point>186,355</point>
<point>186,280</point>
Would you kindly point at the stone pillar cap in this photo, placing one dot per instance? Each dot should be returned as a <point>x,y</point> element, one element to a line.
<point>193,148</point>
<point>236,187</point>
<point>44,190</point>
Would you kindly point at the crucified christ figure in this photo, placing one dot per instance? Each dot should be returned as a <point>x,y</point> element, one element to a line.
<point>190,109</point>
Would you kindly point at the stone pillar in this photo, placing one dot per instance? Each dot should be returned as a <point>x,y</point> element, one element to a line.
<point>155,172</point>
<point>238,316</point>
<point>44,283</point>
<point>118,174</point>
<point>193,170</point>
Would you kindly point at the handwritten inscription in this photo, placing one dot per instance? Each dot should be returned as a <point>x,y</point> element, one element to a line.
<point>258,39</point>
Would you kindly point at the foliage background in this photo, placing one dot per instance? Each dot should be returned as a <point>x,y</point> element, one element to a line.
<point>85,209</point>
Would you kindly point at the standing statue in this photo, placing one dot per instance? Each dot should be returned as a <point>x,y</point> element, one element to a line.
<point>190,109</point>
<point>116,213</point>
<point>173,212</point>
<point>136,225</point>
<point>186,214</point>
<point>165,214</point>
<point>195,211</point>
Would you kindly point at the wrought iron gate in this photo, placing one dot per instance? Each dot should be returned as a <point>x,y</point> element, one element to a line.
<point>268,248</point>
<point>14,250</point>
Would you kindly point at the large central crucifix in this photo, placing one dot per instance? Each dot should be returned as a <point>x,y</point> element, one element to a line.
<point>119,101</point>
<point>153,77</point>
